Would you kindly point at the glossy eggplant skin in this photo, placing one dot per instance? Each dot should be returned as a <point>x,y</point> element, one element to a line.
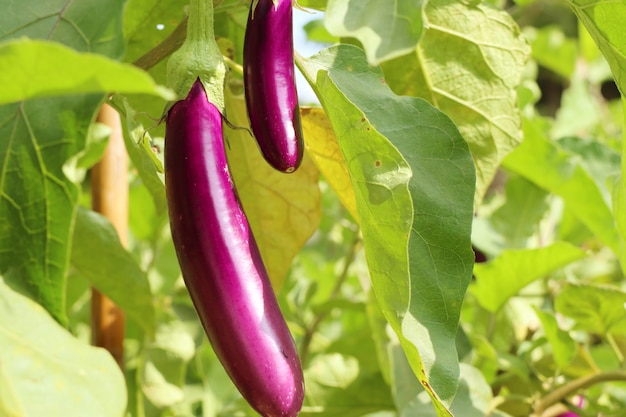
<point>221,264</point>
<point>269,82</point>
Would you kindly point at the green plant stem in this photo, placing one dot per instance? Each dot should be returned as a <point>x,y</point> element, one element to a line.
<point>163,49</point>
<point>234,66</point>
<point>615,347</point>
<point>571,387</point>
<point>312,328</point>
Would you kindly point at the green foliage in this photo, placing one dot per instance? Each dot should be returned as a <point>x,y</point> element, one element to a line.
<point>98,256</point>
<point>430,213</point>
<point>46,371</point>
<point>443,125</point>
<point>385,32</point>
<point>26,65</point>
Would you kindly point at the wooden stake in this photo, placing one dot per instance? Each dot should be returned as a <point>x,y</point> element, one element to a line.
<point>109,185</point>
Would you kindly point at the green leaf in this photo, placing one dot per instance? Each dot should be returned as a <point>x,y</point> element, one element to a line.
<point>619,197</point>
<point>597,309</point>
<point>414,201</point>
<point>502,278</point>
<point>37,201</point>
<point>563,346</point>
<point>471,400</point>
<point>47,372</point>
<point>317,32</point>
<point>553,50</point>
<point>605,22</point>
<point>600,161</point>
<point>473,79</point>
<point>385,32</point>
<point>579,112</point>
<point>98,256</point>
<point>165,364</point>
<point>26,66</point>
<point>526,203</point>
<point>337,385</point>
<point>142,157</point>
<point>544,163</point>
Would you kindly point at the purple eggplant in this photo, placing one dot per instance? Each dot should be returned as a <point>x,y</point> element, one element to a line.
<point>221,263</point>
<point>269,82</point>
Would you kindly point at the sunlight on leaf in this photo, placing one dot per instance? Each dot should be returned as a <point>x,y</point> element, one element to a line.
<point>597,309</point>
<point>47,371</point>
<point>283,209</point>
<point>385,32</point>
<point>473,79</point>
<point>27,69</point>
<point>502,278</point>
<point>321,144</point>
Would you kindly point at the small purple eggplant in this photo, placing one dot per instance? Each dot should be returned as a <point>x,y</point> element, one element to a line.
<point>221,263</point>
<point>269,82</point>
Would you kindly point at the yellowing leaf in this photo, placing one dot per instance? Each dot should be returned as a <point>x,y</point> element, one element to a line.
<point>283,209</point>
<point>321,143</point>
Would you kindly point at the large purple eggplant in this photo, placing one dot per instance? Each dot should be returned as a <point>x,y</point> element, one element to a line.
<point>221,264</point>
<point>269,81</point>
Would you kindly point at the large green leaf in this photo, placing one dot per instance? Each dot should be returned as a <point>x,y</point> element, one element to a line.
<point>413,178</point>
<point>473,79</point>
<point>502,278</point>
<point>605,22</point>
<point>26,65</point>
<point>47,372</point>
<point>544,163</point>
<point>99,257</point>
<point>37,201</point>
<point>386,30</point>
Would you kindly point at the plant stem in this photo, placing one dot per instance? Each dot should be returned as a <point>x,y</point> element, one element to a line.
<point>234,66</point>
<point>310,331</point>
<point>571,387</point>
<point>163,49</point>
<point>615,347</point>
<point>109,193</point>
